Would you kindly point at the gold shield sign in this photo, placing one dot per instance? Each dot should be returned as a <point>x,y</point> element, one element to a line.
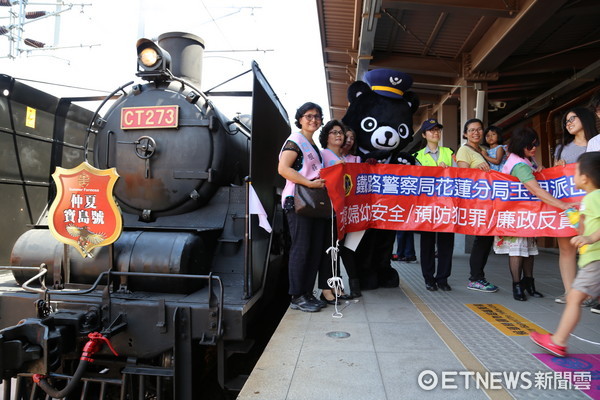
<point>84,213</point>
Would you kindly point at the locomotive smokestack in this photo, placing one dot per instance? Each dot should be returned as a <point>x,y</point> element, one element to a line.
<point>186,52</point>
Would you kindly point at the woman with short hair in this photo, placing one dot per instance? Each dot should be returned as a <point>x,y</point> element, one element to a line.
<point>469,156</point>
<point>299,163</point>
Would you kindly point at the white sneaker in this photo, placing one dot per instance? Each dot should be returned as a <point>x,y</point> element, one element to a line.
<point>562,299</point>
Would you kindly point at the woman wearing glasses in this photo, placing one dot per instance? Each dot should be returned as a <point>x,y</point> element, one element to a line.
<point>521,250</point>
<point>332,139</point>
<point>299,163</point>
<point>469,156</point>
<point>579,126</point>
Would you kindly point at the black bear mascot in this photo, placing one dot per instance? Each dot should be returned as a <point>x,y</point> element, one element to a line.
<point>380,112</point>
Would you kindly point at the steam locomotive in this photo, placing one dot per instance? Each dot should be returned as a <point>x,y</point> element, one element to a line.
<point>191,278</point>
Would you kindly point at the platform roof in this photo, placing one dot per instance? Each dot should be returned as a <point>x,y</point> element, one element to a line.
<point>529,54</point>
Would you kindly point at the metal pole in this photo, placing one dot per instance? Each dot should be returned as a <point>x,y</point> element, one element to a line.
<point>248,244</point>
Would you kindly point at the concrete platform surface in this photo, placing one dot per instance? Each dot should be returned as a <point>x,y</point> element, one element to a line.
<point>409,343</point>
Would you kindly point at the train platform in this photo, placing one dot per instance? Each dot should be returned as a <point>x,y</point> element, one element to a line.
<point>409,343</point>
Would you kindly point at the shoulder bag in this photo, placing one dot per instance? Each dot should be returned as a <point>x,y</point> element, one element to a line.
<point>313,203</point>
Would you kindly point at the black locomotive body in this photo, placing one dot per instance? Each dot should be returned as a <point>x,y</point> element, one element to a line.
<point>192,275</point>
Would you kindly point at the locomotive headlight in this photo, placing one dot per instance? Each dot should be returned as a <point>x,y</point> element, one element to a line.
<point>153,61</point>
<point>148,57</point>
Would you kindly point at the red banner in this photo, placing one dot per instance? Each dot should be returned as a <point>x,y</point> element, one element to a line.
<point>461,200</point>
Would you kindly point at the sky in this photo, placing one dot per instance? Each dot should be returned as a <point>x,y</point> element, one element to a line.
<point>284,35</point>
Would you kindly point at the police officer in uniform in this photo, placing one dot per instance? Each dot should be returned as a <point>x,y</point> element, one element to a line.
<point>433,155</point>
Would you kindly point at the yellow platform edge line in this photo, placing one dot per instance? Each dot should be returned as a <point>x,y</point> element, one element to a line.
<point>461,352</point>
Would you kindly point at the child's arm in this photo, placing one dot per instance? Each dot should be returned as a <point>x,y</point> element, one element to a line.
<point>581,240</point>
<point>499,156</point>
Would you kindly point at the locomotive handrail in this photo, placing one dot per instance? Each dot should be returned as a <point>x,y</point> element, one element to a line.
<point>43,270</point>
<point>200,92</point>
<point>89,128</point>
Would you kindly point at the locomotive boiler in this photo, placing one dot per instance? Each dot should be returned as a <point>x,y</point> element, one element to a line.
<point>191,278</point>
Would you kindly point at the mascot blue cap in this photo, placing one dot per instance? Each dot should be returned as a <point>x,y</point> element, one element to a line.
<point>388,82</point>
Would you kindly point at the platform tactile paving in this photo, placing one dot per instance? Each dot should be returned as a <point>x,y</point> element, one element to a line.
<point>496,351</point>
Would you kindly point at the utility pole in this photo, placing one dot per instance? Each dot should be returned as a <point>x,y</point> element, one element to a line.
<point>14,20</point>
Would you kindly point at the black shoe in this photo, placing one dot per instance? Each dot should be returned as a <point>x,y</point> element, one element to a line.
<point>528,283</point>
<point>324,299</point>
<point>355,288</point>
<point>411,259</point>
<point>314,300</point>
<point>518,292</point>
<point>302,303</point>
<point>444,286</point>
<point>345,296</point>
<point>432,287</point>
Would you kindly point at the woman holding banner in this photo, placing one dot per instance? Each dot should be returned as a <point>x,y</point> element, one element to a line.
<point>332,139</point>
<point>349,255</point>
<point>579,126</point>
<point>434,155</point>
<point>521,250</point>
<point>469,156</point>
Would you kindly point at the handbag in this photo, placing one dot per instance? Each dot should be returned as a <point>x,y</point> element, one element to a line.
<point>312,202</point>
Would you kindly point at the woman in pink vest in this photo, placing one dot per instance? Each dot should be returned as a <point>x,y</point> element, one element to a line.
<point>299,163</point>
<point>332,138</point>
<point>521,250</point>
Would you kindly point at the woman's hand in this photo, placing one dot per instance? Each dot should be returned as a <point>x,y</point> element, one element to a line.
<point>560,162</point>
<point>565,206</point>
<point>484,166</point>
<point>316,184</point>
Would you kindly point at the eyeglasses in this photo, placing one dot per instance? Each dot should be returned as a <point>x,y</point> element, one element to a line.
<point>473,130</point>
<point>532,145</point>
<point>336,132</point>
<point>570,120</point>
<point>310,117</point>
